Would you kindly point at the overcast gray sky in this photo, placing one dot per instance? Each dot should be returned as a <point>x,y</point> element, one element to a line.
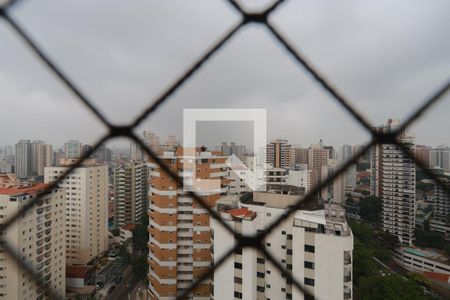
<point>386,56</point>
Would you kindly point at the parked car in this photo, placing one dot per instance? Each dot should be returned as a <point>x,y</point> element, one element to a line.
<point>99,285</point>
<point>111,289</point>
<point>118,279</point>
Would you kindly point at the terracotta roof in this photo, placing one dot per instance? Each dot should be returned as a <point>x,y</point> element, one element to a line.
<point>129,227</point>
<point>437,276</point>
<point>243,212</point>
<point>24,190</point>
<point>77,271</point>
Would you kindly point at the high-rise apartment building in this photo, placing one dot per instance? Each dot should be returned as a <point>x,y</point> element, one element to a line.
<point>350,179</point>
<point>23,159</point>
<point>5,167</point>
<point>331,151</point>
<point>440,157</point>
<point>334,191</point>
<point>393,179</point>
<point>346,152</point>
<point>72,149</point>
<point>316,158</point>
<point>41,157</point>
<point>103,154</point>
<point>153,141</point>
<point>301,243</point>
<point>136,152</point>
<point>278,153</point>
<point>441,209</point>
<point>40,239</point>
<point>423,154</point>
<point>232,148</point>
<point>130,193</point>
<point>86,209</point>
<point>180,235</point>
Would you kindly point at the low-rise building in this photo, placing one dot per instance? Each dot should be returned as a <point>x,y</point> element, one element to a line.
<point>422,260</point>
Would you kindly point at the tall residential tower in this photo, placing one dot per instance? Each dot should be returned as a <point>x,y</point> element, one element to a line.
<point>86,209</point>
<point>180,247</point>
<point>130,193</point>
<point>393,179</point>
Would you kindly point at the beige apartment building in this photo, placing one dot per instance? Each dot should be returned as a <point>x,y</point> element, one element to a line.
<point>315,245</point>
<point>39,239</point>
<point>316,158</point>
<point>180,247</point>
<point>278,153</point>
<point>130,193</point>
<point>86,209</point>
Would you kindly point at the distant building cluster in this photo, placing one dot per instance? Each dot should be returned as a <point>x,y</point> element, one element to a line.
<point>75,234</point>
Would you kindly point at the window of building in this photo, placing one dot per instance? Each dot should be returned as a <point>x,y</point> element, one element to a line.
<point>309,281</point>
<point>309,248</point>
<point>309,265</point>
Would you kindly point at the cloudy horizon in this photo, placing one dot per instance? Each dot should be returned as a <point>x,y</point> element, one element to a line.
<point>387,57</point>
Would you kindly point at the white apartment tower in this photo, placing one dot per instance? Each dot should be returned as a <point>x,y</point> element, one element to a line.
<point>301,243</point>
<point>86,209</point>
<point>130,193</point>
<point>40,239</point>
<point>335,191</point>
<point>441,208</point>
<point>41,157</point>
<point>72,149</point>
<point>393,179</point>
<point>23,159</point>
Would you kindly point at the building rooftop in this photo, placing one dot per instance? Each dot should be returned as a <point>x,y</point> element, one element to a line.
<point>88,162</point>
<point>9,180</point>
<point>426,253</point>
<point>242,213</point>
<point>330,220</point>
<point>316,216</point>
<point>129,227</point>
<point>280,196</point>
<point>78,271</point>
<point>23,190</point>
<point>437,276</point>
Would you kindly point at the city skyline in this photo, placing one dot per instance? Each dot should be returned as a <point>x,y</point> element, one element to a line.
<point>256,114</point>
<point>118,68</point>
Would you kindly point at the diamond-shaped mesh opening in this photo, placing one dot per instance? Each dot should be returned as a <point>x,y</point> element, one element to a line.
<point>256,242</point>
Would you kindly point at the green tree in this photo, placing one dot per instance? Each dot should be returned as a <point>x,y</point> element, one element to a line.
<point>139,266</point>
<point>370,280</point>
<point>123,254</point>
<point>390,286</point>
<point>140,238</point>
<point>370,209</point>
<point>446,248</point>
<point>427,238</point>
